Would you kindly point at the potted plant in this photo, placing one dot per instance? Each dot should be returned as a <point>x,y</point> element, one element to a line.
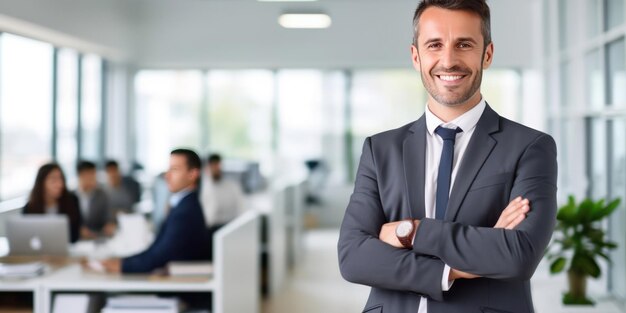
<point>578,244</point>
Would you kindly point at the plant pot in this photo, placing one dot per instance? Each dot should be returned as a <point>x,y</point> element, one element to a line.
<point>577,289</point>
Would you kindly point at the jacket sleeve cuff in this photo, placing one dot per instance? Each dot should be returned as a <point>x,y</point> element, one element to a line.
<point>446,284</point>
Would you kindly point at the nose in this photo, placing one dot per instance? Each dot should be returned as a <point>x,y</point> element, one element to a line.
<point>449,58</point>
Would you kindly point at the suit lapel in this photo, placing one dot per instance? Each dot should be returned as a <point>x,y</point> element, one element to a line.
<point>478,149</point>
<point>414,159</point>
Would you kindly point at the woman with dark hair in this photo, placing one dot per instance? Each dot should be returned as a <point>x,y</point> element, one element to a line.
<point>50,196</point>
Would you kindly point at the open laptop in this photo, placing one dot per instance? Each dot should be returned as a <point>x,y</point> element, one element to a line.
<point>35,234</point>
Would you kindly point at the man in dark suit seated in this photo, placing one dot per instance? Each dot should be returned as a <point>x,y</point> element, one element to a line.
<point>183,236</point>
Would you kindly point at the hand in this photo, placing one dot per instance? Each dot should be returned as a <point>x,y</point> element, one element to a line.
<point>109,229</point>
<point>388,234</point>
<point>85,233</point>
<point>113,266</point>
<point>513,214</point>
<point>456,274</point>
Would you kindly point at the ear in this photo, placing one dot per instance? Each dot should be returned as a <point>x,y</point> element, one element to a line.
<point>415,58</point>
<point>194,173</point>
<point>488,57</point>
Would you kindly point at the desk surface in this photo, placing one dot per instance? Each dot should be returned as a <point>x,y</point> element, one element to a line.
<point>74,277</point>
<point>68,275</point>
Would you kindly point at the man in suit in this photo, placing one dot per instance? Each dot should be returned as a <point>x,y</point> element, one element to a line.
<point>183,236</point>
<point>451,213</point>
<point>98,220</point>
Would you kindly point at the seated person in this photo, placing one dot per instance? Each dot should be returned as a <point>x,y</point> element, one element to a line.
<point>98,219</point>
<point>222,198</point>
<point>120,196</point>
<point>50,196</point>
<point>131,183</point>
<point>183,236</point>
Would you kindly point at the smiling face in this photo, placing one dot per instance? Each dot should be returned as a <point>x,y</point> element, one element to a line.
<point>450,55</point>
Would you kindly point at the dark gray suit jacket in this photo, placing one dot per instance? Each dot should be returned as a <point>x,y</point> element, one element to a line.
<point>503,160</point>
<point>99,213</point>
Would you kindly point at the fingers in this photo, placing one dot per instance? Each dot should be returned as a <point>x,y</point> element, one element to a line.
<point>516,221</point>
<point>514,213</point>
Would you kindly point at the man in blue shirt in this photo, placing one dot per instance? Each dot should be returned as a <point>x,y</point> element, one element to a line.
<point>183,236</point>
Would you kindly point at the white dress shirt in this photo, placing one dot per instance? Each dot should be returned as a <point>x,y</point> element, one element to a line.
<point>177,197</point>
<point>222,201</point>
<point>434,144</point>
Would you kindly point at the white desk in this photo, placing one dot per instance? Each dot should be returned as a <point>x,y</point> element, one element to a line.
<point>74,279</point>
<point>234,286</point>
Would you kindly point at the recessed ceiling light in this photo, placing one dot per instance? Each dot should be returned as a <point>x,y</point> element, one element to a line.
<point>302,20</point>
<point>286,0</point>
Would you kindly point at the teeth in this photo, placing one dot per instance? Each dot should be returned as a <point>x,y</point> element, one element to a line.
<point>449,77</point>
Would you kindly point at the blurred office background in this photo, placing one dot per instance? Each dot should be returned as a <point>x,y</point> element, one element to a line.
<point>132,79</point>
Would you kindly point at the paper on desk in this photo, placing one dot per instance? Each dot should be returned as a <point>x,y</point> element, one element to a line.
<point>20,270</point>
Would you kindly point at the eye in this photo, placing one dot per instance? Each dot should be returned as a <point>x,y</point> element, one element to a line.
<point>465,45</point>
<point>434,45</point>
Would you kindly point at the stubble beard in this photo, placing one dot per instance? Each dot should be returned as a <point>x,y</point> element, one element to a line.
<point>453,101</point>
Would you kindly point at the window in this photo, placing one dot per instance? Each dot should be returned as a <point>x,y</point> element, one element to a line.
<point>501,88</point>
<point>616,66</point>
<point>25,112</point>
<point>614,13</point>
<point>596,134</point>
<point>594,80</point>
<point>617,185</point>
<point>91,108</point>
<point>240,113</point>
<point>594,17</point>
<point>565,90</point>
<point>383,100</point>
<point>168,115</point>
<point>67,110</point>
<point>566,21</point>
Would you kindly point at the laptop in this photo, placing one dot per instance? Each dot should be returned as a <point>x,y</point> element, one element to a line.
<point>34,234</point>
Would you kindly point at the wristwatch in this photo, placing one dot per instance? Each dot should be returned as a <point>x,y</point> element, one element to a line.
<point>405,231</point>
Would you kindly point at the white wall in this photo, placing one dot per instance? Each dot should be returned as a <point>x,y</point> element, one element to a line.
<point>245,34</point>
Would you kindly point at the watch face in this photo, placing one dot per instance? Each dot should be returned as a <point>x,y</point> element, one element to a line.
<point>404,229</point>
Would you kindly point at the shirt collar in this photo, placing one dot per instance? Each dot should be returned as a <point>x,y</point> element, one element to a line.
<point>466,121</point>
<point>179,196</point>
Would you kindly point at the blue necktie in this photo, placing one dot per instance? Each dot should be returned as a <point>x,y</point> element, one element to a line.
<point>444,175</point>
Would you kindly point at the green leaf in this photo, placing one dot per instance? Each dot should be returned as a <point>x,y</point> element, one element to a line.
<point>586,264</point>
<point>596,235</point>
<point>606,211</point>
<point>567,214</point>
<point>585,210</point>
<point>604,256</point>
<point>558,265</point>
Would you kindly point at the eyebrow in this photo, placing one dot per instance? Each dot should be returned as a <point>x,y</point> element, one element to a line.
<point>461,39</point>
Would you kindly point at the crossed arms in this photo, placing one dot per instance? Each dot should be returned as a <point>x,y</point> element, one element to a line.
<point>498,253</point>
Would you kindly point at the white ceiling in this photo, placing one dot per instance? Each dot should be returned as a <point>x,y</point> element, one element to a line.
<point>244,33</point>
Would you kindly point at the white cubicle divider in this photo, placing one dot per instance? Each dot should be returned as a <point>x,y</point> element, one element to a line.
<point>277,240</point>
<point>294,206</point>
<point>237,265</point>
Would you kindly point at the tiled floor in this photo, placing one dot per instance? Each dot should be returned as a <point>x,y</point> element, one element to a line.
<point>316,285</point>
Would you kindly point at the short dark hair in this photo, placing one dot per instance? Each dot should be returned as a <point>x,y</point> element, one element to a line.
<point>111,163</point>
<point>85,165</point>
<point>214,158</point>
<point>193,160</point>
<point>478,7</point>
